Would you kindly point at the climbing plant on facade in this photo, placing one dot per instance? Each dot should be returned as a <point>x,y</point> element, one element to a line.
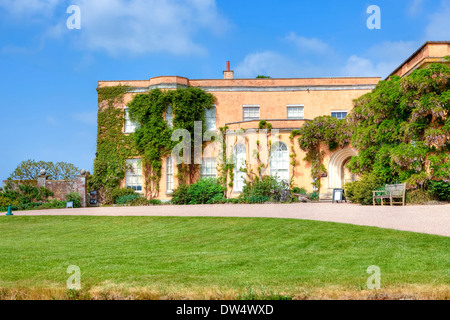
<point>153,137</point>
<point>113,147</point>
<point>190,105</point>
<point>402,130</point>
<point>314,136</point>
<point>226,165</point>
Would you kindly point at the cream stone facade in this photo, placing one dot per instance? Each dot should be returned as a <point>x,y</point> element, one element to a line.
<point>284,103</point>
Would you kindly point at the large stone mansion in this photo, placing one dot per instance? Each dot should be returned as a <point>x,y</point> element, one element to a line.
<point>285,103</point>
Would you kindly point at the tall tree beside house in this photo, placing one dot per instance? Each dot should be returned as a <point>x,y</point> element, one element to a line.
<point>401,131</point>
<point>29,170</point>
<point>402,128</point>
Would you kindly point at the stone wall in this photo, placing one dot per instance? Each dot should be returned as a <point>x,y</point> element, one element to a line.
<point>60,188</point>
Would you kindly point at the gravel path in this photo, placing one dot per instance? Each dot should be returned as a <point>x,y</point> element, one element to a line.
<point>423,219</point>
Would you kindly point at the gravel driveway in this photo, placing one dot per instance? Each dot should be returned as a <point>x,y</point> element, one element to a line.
<point>423,219</point>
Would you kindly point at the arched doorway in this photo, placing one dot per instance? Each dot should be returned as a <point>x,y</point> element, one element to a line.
<point>338,174</point>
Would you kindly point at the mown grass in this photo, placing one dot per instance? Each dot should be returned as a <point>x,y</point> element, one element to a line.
<point>209,258</point>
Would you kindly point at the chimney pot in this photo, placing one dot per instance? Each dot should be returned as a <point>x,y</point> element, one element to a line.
<point>228,73</point>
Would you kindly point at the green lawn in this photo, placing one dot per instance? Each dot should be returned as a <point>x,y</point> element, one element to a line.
<point>208,257</point>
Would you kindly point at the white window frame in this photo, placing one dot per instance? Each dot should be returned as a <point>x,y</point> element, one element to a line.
<point>133,176</point>
<point>251,108</point>
<point>208,168</point>
<point>169,116</point>
<point>239,163</point>
<point>129,126</point>
<point>211,118</point>
<point>301,115</point>
<point>339,111</point>
<point>169,175</point>
<point>279,161</point>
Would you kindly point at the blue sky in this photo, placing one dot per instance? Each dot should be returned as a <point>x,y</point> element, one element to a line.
<point>49,73</point>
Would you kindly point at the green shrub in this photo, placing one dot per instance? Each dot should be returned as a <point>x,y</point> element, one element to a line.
<point>75,198</point>
<point>299,190</point>
<point>119,192</point>
<point>10,194</point>
<point>260,191</point>
<point>418,196</point>
<point>129,199</point>
<point>57,204</point>
<point>314,196</point>
<point>204,191</point>
<point>24,206</point>
<point>138,202</point>
<point>5,201</point>
<point>361,191</point>
<point>29,193</point>
<point>258,199</point>
<point>26,194</point>
<point>54,204</point>
<point>180,195</point>
<point>440,189</point>
<point>155,202</point>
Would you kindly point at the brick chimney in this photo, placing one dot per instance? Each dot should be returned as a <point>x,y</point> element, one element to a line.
<point>228,74</point>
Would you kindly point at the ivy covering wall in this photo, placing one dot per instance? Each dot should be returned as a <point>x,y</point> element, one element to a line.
<point>402,128</point>
<point>314,136</point>
<point>113,147</point>
<point>401,131</point>
<point>151,141</point>
<point>153,137</point>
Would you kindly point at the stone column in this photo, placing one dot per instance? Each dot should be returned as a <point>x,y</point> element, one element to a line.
<point>42,178</point>
<point>82,188</point>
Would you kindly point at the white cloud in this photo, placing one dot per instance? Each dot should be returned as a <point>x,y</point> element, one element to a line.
<point>359,67</point>
<point>393,50</point>
<point>148,26</point>
<point>126,26</point>
<point>266,63</point>
<point>308,45</point>
<point>275,64</point>
<point>379,60</point>
<point>29,7</point>
<point>439,25</point>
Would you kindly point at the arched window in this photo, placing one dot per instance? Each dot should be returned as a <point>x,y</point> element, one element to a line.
<point>240,156</point>
<point>279,161</point>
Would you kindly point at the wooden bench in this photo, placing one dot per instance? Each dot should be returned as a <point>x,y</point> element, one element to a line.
<point>391,192</point>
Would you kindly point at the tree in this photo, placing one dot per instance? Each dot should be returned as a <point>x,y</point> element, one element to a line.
<point>29,170</point>
<point>263,77</point>
<point>402,129</point>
